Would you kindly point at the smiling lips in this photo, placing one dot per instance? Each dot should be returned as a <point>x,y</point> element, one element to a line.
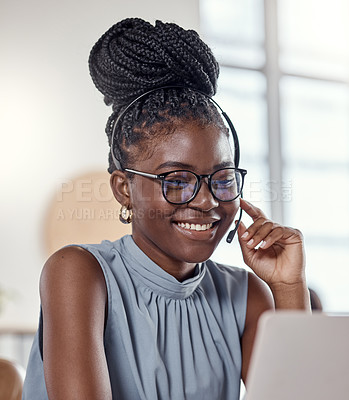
<point>194,227</point>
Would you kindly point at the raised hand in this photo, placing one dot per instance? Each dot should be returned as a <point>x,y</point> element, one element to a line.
<point>276,254</point>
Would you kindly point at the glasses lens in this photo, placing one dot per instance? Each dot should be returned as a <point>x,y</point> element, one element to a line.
<point>226,184</point>
<point>178,187</point>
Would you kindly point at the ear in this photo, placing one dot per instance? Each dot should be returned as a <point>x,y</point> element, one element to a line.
<point>120,188</point>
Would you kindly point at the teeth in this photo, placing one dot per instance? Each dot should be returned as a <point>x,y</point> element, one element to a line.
<point>194,227</point>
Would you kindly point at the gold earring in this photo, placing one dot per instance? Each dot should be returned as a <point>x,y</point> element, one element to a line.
<point>125,215</point>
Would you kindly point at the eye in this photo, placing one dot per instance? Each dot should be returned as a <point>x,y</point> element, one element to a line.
<point>224,182</point>
<point>179,180</point>
<point>177,183</point>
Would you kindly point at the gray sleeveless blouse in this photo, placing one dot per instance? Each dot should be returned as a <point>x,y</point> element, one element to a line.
<point>164,339</point>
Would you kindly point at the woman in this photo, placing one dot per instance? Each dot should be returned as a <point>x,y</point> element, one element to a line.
<point>150,316</point>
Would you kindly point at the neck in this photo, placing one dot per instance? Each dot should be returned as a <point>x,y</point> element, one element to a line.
<point>180,270</point>
<point>183,273</point>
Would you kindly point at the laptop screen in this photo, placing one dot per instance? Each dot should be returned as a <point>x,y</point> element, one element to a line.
<point>298,355</point>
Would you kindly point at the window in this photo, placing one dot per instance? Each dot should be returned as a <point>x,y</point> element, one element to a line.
<point>285,84</point>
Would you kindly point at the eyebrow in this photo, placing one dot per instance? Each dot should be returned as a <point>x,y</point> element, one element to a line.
<point>176,164</point>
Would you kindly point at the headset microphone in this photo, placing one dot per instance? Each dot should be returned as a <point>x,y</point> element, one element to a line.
<point>231,234</point>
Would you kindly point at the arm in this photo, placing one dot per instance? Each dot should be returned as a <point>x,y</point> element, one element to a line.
<point>259,299</point>
<point>280,263</point>
<point>74,297</point>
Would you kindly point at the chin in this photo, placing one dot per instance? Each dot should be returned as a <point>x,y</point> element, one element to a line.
<point>198,253</point>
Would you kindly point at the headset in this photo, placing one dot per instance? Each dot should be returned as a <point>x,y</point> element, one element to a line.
<point>224,115</point>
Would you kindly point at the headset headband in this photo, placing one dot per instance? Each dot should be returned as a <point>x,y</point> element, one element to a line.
<point>225,116</point>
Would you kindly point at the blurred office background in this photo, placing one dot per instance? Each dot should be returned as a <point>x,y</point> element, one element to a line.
<point>284,82</point>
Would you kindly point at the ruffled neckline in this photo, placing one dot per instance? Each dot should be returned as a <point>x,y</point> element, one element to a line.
<point>156,278</point>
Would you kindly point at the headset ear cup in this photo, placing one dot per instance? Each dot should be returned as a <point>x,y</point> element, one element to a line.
<point>231,234</point>
<point>235,138</point>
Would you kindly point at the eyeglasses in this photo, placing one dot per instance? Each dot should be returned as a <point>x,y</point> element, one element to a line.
<point>181,187</point>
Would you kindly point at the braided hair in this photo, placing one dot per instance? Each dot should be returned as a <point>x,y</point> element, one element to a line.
<point>134,57</point>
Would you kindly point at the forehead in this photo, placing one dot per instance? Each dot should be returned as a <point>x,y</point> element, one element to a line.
<point>200,147</point>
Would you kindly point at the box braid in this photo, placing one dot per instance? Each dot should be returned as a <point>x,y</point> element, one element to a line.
<point>133,57</point>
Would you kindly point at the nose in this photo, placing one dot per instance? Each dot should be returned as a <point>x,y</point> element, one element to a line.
<point>204,199</point>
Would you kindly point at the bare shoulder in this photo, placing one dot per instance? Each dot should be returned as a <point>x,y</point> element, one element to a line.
<point>70,259</point>
<point>74,298</point>
<point>73,288</point>
<point>71,268</point>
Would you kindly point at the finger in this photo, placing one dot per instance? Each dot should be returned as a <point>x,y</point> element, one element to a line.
<point>260,232</point>
<point>241,229</point>
<point>252,230</point>
<point>283,235</point>
<point>253,211</point>
<point>275,235</point>
<point>247,252</point>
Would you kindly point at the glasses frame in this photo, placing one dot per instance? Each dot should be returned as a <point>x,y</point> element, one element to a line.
<point>199,179</point>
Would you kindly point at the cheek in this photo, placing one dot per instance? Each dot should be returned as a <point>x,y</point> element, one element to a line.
<point>148,203</point>
<point>231,210</point>
<point>145,191</point>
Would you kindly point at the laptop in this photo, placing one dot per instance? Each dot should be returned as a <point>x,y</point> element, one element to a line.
<point>300,356</point>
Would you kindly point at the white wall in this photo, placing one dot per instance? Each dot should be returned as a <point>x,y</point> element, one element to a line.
<point>51,121</point>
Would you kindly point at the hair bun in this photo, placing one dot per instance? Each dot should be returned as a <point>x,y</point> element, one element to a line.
<point>134,56</point>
